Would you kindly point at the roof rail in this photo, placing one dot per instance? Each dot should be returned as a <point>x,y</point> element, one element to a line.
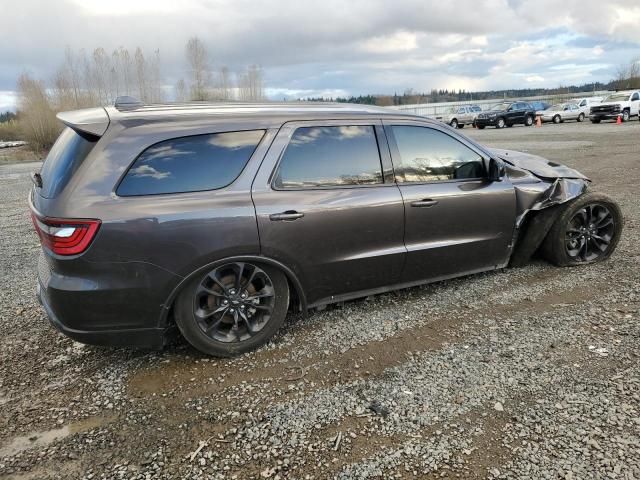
<point>127,103</point>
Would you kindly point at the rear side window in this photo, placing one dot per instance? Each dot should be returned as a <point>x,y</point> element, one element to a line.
<point>428,155</point>
<point>330,157</point>
<point>190,164</point>
<point>64,158</point>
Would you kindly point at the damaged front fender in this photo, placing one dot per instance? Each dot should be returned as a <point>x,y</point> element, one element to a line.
<point>540,191</point>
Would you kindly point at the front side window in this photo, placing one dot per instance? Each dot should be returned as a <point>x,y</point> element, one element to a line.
<point>428,155</point>
<point>583,103</point>
<point>635,97</point>
<point>190,164</point>
<point>330,157</point>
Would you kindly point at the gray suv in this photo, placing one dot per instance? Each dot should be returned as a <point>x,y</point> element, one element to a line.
<point>219,219</point>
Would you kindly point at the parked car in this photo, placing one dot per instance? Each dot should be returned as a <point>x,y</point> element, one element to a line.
<point>459,116</point>
<point>623,104</point>
<point>506,114</point>
<point>538,105</point>
<point>220,218</point>
<point>586,103</point>
<point>561,112</point>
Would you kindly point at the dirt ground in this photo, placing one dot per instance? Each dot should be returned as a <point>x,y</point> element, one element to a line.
<point>520,373</point>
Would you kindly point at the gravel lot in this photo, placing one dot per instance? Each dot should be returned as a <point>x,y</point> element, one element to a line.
<point>524,373</point>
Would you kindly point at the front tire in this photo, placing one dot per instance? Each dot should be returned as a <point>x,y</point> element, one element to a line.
<point>626,115</point>
<point>233,308</point>
<point>500,123</point>
<point>581,117</point>
<point>586,231</point>
<point>453,123</point>
<point>528,121</point>
<point>556,119</point>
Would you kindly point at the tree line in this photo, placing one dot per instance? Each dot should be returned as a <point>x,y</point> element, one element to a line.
<point>627,77</point>
<point>93,79</point>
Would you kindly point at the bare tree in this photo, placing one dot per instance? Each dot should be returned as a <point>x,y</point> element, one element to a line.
<point>199,69</point>
<point>37,118</point>
<point>226,86</point>
<point>628,75</point>
<point>140,68</point>
<point>181,91</point>
<point>251,84</point>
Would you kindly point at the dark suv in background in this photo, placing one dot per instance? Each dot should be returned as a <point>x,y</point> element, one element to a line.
<point>507,114</point>
<point>221,218</point>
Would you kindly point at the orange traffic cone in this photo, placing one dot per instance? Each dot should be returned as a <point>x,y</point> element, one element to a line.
<point>619,120</point>
<point>538,120</point>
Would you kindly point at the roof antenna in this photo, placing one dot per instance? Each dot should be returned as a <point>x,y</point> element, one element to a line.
<point>127,103</point>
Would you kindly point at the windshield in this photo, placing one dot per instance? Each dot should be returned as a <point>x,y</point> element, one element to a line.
<point>616,97</point>
<point>500,106</point>
<point>558,106</point>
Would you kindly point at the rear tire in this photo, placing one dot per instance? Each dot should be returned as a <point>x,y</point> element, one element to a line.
<point>556,119</point>
<point>581,117</point>
<point>461,125</point>
<point>233,308</point>
<point>528,120</point>
<point>586,231</point>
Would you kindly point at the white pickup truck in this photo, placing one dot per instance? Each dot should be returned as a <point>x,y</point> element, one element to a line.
<point>623,104</point>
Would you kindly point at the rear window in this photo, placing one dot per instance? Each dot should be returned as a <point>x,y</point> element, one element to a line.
<point>190,164</point>
<point>64,158</point>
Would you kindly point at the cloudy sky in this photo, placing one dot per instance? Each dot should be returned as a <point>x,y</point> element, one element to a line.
<point>338,47</point>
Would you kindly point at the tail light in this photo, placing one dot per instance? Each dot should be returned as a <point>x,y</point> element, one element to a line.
<point>65,236</point>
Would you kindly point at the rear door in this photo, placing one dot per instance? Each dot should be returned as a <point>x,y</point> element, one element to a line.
<point>328,208</point>
<point>457,220</point>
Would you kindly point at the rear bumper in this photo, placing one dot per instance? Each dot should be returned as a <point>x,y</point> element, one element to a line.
<point>153,338</point>
<point>97,307</point>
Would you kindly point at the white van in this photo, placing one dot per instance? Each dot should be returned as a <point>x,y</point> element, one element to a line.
<point>586,103</point>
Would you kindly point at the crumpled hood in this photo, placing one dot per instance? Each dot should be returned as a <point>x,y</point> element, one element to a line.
<point>539,166</point>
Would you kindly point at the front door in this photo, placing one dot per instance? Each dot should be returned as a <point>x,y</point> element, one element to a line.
<point>328,208</point>
<point>457,220</point>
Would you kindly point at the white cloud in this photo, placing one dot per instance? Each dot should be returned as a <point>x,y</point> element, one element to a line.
<point>337,48</point>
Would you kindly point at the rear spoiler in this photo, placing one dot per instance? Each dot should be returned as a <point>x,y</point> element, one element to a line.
<point>88,120</point>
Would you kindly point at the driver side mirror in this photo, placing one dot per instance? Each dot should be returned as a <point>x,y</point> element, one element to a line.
<point>496,170</point>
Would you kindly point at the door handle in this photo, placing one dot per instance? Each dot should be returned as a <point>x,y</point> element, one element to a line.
<point>287,216</point>
<point>426,203</point>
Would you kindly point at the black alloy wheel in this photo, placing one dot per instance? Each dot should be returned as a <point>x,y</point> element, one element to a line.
<point>589,233</point>
<point>234,308</point>
<point>234,302</point>
<point>586,230</point>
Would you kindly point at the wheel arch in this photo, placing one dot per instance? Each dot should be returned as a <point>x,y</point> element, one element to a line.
<point>296,291</point>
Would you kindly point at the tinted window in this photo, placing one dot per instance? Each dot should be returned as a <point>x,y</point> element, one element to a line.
<point>330,156</point>
<point>583,103</point>
<point>428,155</point>
<point>190,164</point>
<point>635,96</point>
<point>64,158</point>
